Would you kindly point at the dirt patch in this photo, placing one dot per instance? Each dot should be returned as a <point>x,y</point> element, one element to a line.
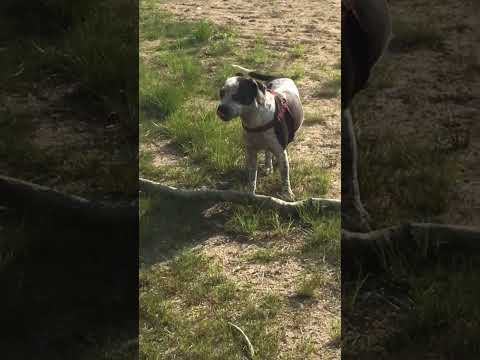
<point>75,143</point>
<point>301,319</point>
<point>428,96</point>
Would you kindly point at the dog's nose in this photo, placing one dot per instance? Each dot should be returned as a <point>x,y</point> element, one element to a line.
<point>222,111</point>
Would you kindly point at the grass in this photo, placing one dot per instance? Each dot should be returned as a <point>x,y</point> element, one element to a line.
<point>250,221</point>
<point>77,67</point>
<point>432,296</point>
<point>309,283</point>
<point>322,239</point>
<point>448,303</point>
<point>187,300</point>
<point>166,102</point>
<point>200,328</point>
<point>422,304</point>
<point>314,118</point>
<point>298,51</point>
<point>405,181</point>
<point>258,54</point>
<point>16,146</point>
<point>330,82</point>
<point>264,256</point>
<point>186,297</point>
<point>98,52</point>
<point>67,64</point>
<point>198,135</point>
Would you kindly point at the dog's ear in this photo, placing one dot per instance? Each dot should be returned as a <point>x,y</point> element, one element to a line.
<point>247,91</point>
<point>261,90</point>
<point>261,86</point>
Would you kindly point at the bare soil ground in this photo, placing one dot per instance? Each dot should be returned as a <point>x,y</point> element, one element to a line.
<point>430,97</point>
<point>284,24</point>
<point>426,95</point>
<point>65,137</point>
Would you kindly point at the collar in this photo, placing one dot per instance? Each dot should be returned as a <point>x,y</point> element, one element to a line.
<point>281,108</point>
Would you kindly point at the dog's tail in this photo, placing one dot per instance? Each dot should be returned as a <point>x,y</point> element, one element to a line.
<point>258,76</point>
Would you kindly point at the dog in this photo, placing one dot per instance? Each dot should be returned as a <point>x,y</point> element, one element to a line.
<point>271,114</point>
<point>366,33</point>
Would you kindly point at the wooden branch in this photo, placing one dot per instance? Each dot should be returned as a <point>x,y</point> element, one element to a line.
<point>366,247</point>
<point>41,200</point>
<point>153,188</point>
<point>251,350</point>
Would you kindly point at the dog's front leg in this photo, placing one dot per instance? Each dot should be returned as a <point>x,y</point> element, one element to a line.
<point>284,166</point>
<point>251,159</point>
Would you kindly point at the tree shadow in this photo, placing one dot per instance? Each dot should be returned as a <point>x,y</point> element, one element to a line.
<point>171,225</point>
<point>66,290</point>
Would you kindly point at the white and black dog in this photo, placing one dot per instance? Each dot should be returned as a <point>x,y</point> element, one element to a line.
<point>271,113</point>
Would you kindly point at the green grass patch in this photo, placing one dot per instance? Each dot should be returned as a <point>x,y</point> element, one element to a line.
<point>314,118</point>
<point>322,238</point>
<point>257,54</point>
<point>296,72</point>
<point>330,83</point>
<point>93,43</point>
<point>298,51</point>
<point>251,220</point>
<point>210,301</point>
<point>405,181</point>
<point>433,308</point>
<point>201,136</point>
<point>264,255</point>
<point>309,283</point>
<point>448,302</point>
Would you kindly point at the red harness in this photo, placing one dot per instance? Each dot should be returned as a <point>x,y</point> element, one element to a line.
<point>282,121</point>
<point>281,108</point>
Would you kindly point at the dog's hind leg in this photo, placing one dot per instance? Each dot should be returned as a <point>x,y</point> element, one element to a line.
<point>284,166</point>
<point>251,162</point>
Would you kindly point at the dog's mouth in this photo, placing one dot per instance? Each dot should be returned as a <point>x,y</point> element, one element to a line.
<point>221,115</point>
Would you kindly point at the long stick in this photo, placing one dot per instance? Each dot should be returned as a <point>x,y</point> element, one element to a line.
<point>153,188</point>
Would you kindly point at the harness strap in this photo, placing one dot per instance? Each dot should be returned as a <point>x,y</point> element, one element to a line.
<point>281,107</point>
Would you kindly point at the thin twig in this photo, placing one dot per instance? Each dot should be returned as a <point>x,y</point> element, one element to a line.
<point>251,351</point>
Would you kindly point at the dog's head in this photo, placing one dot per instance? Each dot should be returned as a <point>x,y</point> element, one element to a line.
<point>240,95</point>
